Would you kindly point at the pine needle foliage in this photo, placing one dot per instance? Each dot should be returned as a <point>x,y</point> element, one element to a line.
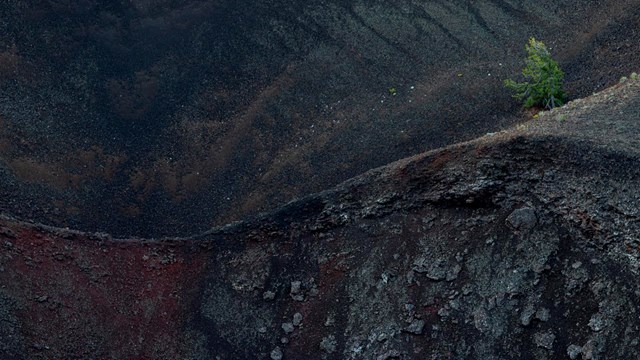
<point>543,85</point>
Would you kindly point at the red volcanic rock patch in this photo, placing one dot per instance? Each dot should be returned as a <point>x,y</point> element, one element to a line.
<point>83,296</point>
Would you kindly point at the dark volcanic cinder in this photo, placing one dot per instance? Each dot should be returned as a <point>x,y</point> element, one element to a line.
<point>521,244</point>
<point>155,118</point>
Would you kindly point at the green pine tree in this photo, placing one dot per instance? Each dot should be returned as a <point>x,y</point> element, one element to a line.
<point>544,79</point>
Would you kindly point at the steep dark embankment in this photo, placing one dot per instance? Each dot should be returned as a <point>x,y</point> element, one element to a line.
<point>518,245</point>
<point>165,117</point>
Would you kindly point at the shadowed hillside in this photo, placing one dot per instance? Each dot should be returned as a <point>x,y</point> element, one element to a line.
<point>167,117</point>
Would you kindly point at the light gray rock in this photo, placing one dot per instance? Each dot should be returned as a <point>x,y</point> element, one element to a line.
<point>269,295</point>
<point>416,327</point>
<point>544,339</point>
<point>287,327</point>
<point>522,219</point>
<point>574,351</point>
<point>276,354</point>
<point>328,344</point>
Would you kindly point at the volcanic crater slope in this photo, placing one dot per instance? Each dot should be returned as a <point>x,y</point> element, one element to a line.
<point>522,244</point>
<point>156,117</point>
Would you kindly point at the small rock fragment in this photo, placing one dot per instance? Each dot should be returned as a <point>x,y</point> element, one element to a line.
<point>385,278</point>
<point>522,219</point>
<point>527,315</point>
<point>481,320</point>
<point>296,291</point>
<point>391,354</point>
<point>410,277</point>
<point>444,312</point>
<point>297,319</point>
<point>574,351</point>
<point>295,287</point>
<point>544,339</point>
<point>467,289</point>
<point>415,327</point>
<point>329,321</point>
<point>596,323</point>
<point>269,295</point>
<point>543,314</point>
<point>453,272</point>
<point>287,327</point>
<point>276,354</point>
<point>435,270</point>
<point>328,344</point>
<point>409,308</point>
<point>591,349</point>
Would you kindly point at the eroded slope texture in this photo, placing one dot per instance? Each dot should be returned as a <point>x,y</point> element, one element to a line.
<point>519,245</point>
<point>158,117</point>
